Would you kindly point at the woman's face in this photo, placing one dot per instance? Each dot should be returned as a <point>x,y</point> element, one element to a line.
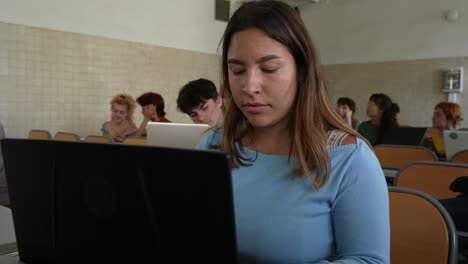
<point>262,78</point>
<point>374,112</point>
<point>119,113</point>
<point>440,121</point>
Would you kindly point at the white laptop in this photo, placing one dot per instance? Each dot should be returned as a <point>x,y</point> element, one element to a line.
<point>176,135</point>
<point>455,141</point>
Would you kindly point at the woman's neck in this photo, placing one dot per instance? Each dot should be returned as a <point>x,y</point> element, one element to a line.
<point>375,122</point>
<point>269,141</point>
<point>118,123</point>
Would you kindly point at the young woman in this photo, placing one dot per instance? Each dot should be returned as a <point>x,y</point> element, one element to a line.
<point>121,124</point>
<point>307,188</point>
<point>446,116</point>
<point>382,112</point>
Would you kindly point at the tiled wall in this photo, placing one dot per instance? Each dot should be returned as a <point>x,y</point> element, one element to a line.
<point>414,84</point>
<point>63,81</point>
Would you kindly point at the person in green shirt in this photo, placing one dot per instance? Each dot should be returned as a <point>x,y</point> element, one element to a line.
<point>382,112</point>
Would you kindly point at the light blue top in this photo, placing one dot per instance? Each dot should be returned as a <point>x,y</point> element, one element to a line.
<point>281,219</point>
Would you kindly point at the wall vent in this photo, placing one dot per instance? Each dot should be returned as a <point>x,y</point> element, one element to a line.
<point>222,10</point>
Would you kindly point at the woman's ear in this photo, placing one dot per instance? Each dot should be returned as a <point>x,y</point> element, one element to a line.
<point>219,101</point>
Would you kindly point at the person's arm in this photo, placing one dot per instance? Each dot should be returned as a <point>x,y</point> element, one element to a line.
<point>147,111</point>
<point>212,140</point>
<point>349,118</point>
<point>360,213</point>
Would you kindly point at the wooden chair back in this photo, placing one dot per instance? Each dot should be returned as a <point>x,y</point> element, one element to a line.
<point>460,157</point>
<point>397,156</point>
<point>135,141</point>
<point>66,136</point>
<point>97,139</point>
<point>39,134</point>
<point>433,178</point>
<point>422,231</point>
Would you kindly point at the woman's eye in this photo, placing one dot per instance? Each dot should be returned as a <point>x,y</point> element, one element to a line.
<point>237,70</point>
<point>269,70</point>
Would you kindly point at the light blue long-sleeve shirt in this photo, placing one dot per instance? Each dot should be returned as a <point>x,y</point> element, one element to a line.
<point>280,218</point>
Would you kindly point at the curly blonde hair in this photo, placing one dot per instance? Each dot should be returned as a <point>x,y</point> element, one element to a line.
<point>127,100</point>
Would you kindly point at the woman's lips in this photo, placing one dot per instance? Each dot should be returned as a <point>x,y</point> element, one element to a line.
<point>255,108</point>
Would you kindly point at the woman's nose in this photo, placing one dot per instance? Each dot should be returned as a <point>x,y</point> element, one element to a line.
<point>252,84</point>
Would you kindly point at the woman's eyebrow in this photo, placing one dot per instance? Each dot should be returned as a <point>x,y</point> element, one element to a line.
<point>260,60</point>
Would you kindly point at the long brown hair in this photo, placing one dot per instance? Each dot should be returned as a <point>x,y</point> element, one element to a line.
<point>312,115</point>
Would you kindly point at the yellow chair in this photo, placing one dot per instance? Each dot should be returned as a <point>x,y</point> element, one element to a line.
<point>66,136</point>
<point>433,178</point>
<point>397,156</point>
<point>97,139</point>
<point>39,134</point>
<point>135,141</point>
<point>460,157</point>
<point>421,229</point>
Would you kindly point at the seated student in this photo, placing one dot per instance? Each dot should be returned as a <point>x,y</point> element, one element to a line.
<point>383,116</point>
<point>152,109</point>
<point>4,198</point>
<point>306,187</point>
<point>200,100</point>
<point>346,109</point>
<point>121,124</point>
<point>446,116</point>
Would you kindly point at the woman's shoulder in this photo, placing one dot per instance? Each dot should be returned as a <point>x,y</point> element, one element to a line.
<point>104,127</point>
<point>341,142</point>
<point>337,137</point>
<point>212,139</point>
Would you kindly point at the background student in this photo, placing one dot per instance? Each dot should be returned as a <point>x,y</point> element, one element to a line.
<point>199,99</point>
<point>121,124</point>
<point>346,108</point>
<point>446,116</point>
<point>152,109</point>
<point>382,112</point>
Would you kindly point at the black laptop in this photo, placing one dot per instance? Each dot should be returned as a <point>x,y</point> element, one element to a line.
<point>410,136</point>
<point>78,202</point>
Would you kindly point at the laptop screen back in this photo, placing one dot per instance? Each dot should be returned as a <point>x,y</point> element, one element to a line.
<point>89,203</point>
<point>410,136</point>
<point>455,141</point>
<point>177,135</point>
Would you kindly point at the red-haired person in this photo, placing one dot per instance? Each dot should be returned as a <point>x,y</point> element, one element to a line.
<point>446,116</point>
